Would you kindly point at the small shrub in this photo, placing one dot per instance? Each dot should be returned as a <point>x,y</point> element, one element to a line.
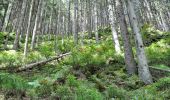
<point>46,49</point>
<point>158,53</point>
<point>13,85</point>
<point>34,56</point>
<point>114,92</point>
<point>77,90</point>
<point>10,58</point>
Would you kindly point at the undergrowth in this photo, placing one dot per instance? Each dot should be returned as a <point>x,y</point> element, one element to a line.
<point>91,72</point>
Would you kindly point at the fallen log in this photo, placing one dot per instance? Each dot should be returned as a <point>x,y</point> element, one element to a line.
<point>30,66</point>
<point>158,72</point>
<point>155,39</point>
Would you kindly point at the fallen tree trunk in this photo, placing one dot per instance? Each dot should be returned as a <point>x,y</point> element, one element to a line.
<point>155,39</point>
<point>158,73</point>
<point>30,66</point>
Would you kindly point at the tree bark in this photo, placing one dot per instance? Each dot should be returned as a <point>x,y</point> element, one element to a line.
<point>18,32</point>
<point>5,24</point>
<point>69,17</point>
<point>89,20</point>
<point>28,29</point>
<point>114,33</point>
<point>129,57</point>
<point>96,22</point>
<point>8,12</point>
<point>143,70</point>
<point>40,8</point>
<point>75,24</point>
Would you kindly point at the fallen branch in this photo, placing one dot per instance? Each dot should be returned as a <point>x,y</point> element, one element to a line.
<point>30,66</point>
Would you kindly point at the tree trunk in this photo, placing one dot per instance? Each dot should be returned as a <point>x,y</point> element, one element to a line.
<point>75,24</point>
<point>28,29</point>
<point>89,20</point>
<point>8,12</point>
<point>164,25</point>
<point>144,72</point>
<point>114,33</point>
<point>40,8</point>
<point>129,58</point>
<point>18,32</point>
<point>69,22</point>
<point>83,21</point>
<point>96,22</point>
<point>4,27</point>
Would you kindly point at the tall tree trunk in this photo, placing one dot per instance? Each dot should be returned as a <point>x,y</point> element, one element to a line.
<point>63,27</point>
<point>40,25</point>
<point>164,25</point>
<point>40,8</point>
<point>149,12</point>
<point>114,33</point>
<point>18,32</point>
<point>68,15</point>
<point>83,21</point>
<point>50,25</point>
<point>8,12</point>
<point>96,22</point>
<point>5,24</point>
<point>89,20</point>
<point>144,72</point>
<point>129,58</point>
<point>75,24</point>
<point>28,28</point>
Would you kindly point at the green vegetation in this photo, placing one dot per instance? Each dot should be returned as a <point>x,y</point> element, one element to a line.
<point>91,72</point>
<point>84,50</point>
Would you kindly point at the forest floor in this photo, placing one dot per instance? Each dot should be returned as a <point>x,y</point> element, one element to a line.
<point>90,72</point>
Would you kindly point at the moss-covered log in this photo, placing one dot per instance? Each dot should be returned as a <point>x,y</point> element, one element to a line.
<point>38,64</point>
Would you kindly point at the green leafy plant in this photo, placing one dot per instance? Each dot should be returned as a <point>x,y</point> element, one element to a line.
<point>13,85</point>
<point>10,58</point>
<point>46,49</point>
<point>159,53</point>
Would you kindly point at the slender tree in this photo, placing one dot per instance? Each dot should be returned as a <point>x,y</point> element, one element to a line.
<point>28,29</point>
<point>40,8</point>
<point>129,58</point>
<point>143,67</point>
<point>6,21</point>
<point>75,22</point>
<point>18,32</point>
<point>114,33</point>
<point>96,22</point>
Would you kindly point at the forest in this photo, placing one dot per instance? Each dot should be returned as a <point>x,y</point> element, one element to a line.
<point>84,49</point>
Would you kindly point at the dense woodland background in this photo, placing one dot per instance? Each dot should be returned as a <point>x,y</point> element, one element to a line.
<point>85,49</point>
